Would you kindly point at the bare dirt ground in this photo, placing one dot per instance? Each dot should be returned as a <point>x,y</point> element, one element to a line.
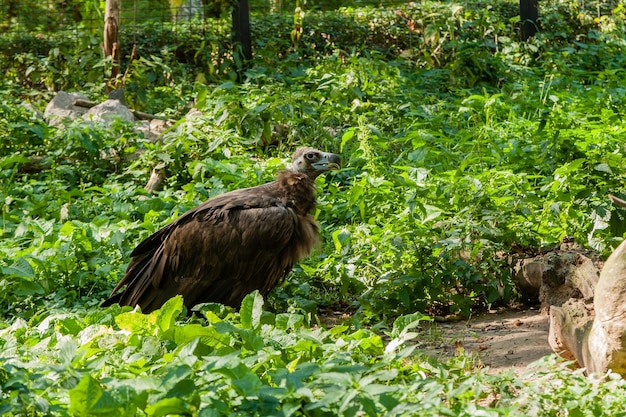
<point>501,340</point>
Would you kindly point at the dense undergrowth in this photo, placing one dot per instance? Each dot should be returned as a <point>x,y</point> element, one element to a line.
<point>459,144</point>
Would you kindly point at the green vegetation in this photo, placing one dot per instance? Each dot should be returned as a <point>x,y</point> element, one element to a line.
<point>459,143</point>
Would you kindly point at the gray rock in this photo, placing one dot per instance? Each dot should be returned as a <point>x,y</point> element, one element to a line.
<point>152,130</point>
<point>61,108</point>
<point>108,111</point>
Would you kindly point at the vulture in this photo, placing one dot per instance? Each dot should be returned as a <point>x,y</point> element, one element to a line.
<point>230,245</point>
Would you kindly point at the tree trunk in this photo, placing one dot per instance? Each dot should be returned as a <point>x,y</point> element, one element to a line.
<point>111,45</point>
<point>587,309</point>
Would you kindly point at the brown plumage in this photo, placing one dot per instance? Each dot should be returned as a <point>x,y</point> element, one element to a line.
<point>232,244</point>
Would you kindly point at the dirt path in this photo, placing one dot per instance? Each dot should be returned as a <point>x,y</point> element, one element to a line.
<point>501,340</point>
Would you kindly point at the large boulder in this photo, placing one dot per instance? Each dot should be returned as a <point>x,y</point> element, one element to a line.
<point>109,110</point>
<point>62,108</point>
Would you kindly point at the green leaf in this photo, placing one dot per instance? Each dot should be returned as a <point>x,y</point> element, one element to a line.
<point>67,349</point>
<point>13,159</point>
<point>85,395</point>
<point>70,325</point>
<point>183,388</point>
<point>201,97</point>
<point>407,322</point>
<point>349,134</point>
<point>166,316</point>
<point>19,268</point>
<point>25,288</point>
<point>289,321</point>
<point>170,406</point>
<point>341,238</point>
<point>183,334</point>
<point>122,397</point>
<point>136,322</point>
<point>251,310</point>
<point>603,168</point>
<point>250,338</point>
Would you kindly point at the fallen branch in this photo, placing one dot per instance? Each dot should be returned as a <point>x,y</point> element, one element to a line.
<point>36,164</point>
<point>617,201</point>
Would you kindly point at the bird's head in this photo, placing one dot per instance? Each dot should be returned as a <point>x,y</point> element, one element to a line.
<point>313,162</point>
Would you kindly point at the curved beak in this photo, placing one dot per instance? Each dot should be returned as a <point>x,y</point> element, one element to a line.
<point>327,162</point>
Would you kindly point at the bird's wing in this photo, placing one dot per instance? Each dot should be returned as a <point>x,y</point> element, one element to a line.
<point>199,254</point>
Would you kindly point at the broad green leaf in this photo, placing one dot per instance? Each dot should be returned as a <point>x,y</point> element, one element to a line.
<point>341,238</point>
<point>250,338</point>
<point>19,268</point>
<point>244,381</point>
<point>13,159</point>
<point>367,341</point>
<point>166,316</point>
<point>24,287</point>
<point>287,321</point>
<point>85,395</point>
<point>349,134</point>
<point>201,97</point>
<point>170,406</point>
<point>209,411</point>
<point>67,349</point>
<point>183,334</point>
<point>603,168</point>
<point>67,229</point>
<point>251,310</point>
<point>136,322</point>
<point>70,325</point>
<point>290,409</point>
<point>408,322</point>
<point>185,388</point>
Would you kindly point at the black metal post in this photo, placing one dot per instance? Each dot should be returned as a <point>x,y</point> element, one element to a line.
<point>242,40</point>
<point>528,13</point>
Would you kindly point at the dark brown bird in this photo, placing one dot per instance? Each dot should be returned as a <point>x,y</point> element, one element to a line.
<point>232,244</point>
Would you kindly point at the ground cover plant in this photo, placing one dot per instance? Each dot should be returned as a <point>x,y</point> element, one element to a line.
<point>460,146</point>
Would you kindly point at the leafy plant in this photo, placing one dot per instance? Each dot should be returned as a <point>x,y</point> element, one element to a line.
<point>458,142</point>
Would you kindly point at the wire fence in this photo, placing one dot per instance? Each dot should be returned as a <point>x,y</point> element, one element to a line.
<point>53,16</point>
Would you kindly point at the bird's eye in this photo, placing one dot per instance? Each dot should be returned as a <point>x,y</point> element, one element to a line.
<point>310,156</point>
